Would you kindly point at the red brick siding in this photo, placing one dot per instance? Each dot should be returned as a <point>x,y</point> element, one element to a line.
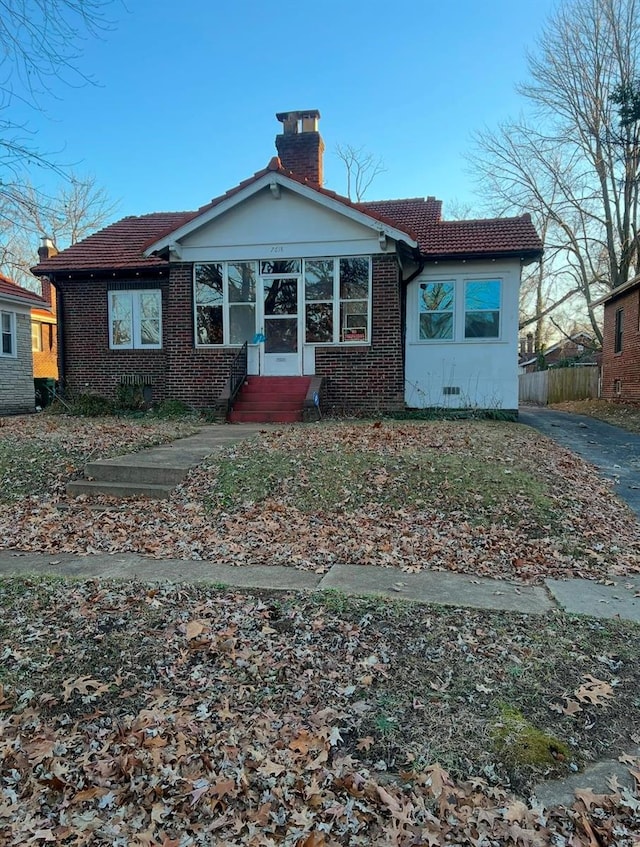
<point>623,366</point>
<point>45,361</point>
<point>195,375</point>
<point>89,365</point>
<point>360,379</point>
<point>370,379</point>
<point>301,153</point>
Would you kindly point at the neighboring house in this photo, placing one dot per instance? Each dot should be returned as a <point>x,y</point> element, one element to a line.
<point>621,342</point>
<point>577,349</point>
<point>16,363</point>
<point>44,335</point>
<point>383,303</point>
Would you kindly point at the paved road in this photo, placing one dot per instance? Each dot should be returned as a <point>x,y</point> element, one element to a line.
<point>614,451</point>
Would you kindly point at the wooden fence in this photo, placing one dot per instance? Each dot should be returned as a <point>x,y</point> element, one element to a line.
<point>559,384</point>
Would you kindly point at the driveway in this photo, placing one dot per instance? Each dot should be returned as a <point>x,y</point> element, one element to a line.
<point>614,451</point>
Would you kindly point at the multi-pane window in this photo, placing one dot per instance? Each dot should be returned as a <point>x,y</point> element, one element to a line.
<point>435,306</point>
<point>318,292</point>
<point>617,341</point>
<point>354,299</point>
<point>482,308</point>
<point>7,334</point>
<point>234,300</point>
<point>135,319</point>
<point>459,309</point>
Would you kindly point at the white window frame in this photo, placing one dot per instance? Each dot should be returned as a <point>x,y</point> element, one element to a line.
<point>136,334</point>
<point>482,338</point>
<point>453,312</point>
<point>459,312</point>
<point>37,345</point>
<point>336,301</point>
<point>12,334</point>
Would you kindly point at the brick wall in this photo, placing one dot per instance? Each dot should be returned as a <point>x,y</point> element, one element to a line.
<point>367,380</point>
<point>90,367</point>
<point>362,380</point>
<point>45,361</point>
<point>178,371</point>
<point>623,366</point>
<point>17,393</point>
<point>195,375</point>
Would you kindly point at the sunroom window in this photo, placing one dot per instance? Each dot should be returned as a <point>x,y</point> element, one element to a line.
<point>436,305</point>
<point>482,308</point>
<point>318,292</point>
<point>354,299</point>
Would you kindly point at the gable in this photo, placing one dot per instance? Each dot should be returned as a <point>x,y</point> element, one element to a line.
<point>289,225</point>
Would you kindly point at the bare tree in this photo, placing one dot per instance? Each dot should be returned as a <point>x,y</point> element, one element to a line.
<point>362,168</point>
<point>80,207</point>
<point>41,42</point>
<point>574,163</point>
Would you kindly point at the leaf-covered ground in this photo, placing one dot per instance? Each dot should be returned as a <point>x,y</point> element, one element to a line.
<point>40,453</point>
<point>139,716</point>
<point>476,497</point>
<point>625,415</point>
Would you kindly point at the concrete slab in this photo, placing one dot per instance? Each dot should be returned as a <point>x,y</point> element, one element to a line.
<point>133,566</point>
<point>438,587</point>
<point>561,792</point>
<point>584,597</point>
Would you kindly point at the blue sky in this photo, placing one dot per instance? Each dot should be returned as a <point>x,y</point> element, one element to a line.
<point>186,94</point>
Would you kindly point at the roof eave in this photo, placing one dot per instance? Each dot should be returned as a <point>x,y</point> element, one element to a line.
<point>525,256</point>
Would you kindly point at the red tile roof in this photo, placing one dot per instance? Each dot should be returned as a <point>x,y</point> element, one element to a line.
<point>9,288</point>
<point>122,245</point>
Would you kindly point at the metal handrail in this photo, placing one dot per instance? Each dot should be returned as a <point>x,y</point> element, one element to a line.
<point>238,372</point>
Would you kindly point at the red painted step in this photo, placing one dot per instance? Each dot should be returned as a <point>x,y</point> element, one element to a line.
<point>270,399</point>
<point>265,417</point>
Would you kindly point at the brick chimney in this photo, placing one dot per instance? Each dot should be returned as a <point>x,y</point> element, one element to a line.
<point>47,249</point>
<point>300,145</point>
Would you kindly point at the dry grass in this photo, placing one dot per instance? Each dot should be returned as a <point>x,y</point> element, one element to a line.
<point>625,415</point>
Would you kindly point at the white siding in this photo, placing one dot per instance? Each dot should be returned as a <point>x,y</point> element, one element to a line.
<point>263,227</point>
<point>484,371</point>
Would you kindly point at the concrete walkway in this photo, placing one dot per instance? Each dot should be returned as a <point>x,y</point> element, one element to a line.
<point>614,451</point>
<point>577,596</point>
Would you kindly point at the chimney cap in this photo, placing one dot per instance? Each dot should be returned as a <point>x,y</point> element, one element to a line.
<point>47,241</point>
<point>300,120</point>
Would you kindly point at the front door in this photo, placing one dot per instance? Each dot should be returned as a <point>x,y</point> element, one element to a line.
<point>281,312</point>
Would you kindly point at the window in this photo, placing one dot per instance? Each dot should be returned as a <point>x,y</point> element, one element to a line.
<point>36,337</point>
<point>8,330</point>
<point>135,320</point>
<point>617,341</point>
<point>482,309</point>
<point>458,309</point>
<point>354,299</point>
<point>232,299</point>
<point>436,303</point>
<point>318,292</point>
<point>225,302</point>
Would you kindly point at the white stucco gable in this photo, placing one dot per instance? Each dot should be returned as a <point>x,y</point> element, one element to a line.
<point>276,216</point>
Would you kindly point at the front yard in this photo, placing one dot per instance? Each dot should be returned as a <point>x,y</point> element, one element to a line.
<point>475,497</point>
<point>178,716</point>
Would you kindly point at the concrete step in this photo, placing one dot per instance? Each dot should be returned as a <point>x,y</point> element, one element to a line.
<point>112,470</point>
<point>274,404</point>
<point>91,488</point>
<point>265,416</point>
